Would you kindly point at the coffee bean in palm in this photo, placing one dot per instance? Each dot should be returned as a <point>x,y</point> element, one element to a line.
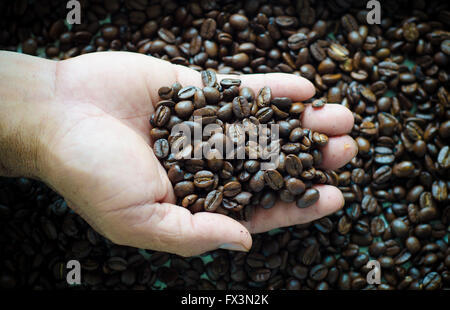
<point>227,83</point>
<point>264,97</point>
<point>186,92</point>
<point>268,200</point>
<point>231,189</point>
<point>162,115</point>
<point>203,179</point>
<point>161,148</point>
<point>184,108</point>
<point>273,179</point>
<point>309,197</point>
<point>213,200</point>
<point>184,188</point>
<point>295,186</point>
<point>241,107</point>
<point>256,183</point>
<point>209,78</point>
<point>165,92</point>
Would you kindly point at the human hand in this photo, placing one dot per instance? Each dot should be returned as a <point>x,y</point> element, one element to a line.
<point>97,154</point>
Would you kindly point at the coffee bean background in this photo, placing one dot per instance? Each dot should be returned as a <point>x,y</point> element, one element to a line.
<point>393,76</point>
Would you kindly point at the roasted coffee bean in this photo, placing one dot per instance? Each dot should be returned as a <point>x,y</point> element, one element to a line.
<point>241,107</point>
<point>208,28</point>
<point>213,200</point>
<point>209,78</point>
<point>161,148</point>
<point>297,41</point>
<point>203,179</point>
<point>227,83</point>
<point>231,189</point>
<point>295,186</point>
<point>162,115</point>
<point>309,197</point>
<point>273,179</point>
<point>264,97</point>
<point>268,200</point>
<point>293,165</point>
<point>184,108</point>
<point>186,92</point>
<point>183,188</point>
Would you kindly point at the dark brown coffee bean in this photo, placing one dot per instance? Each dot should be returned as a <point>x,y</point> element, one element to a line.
<point>227,83</point>
<point>175,174</point>
<point>184,108</point>
<point>161,148</point>
<point>257,181</point>
<point>273,179</point>
<point>186,92</point>
<point>183,188</point>
<point>238,22</point>
<point>209,78</point>
<point>213,200</point>
<point>203,179</point>
<point>241,107</point>
<point>297,41</point>
<point>165,92</point>
<point>232,188</point>
<point>264,115</point>
<point>162,115</point>
<point>310,197</point>
<point>295,186</point>
<point>208,28</point>
<point>268,200</point>
<point>264,97</point>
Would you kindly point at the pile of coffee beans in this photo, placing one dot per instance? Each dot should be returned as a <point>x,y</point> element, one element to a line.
<point>222,169</point>
<point>393,76</point>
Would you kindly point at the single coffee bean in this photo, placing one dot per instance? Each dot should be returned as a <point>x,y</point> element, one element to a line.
<point>309,197</point>
<point>273,179</point>
<point>203,179</point>
<point>183,188</point>
<point>295,186</point>
<point>268,200</point>
<point>161,148</point>
<point>231,189</point>
<point>162,115</point>
<point>213,200</point>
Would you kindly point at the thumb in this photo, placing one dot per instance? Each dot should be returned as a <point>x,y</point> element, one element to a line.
<point>170,228</point>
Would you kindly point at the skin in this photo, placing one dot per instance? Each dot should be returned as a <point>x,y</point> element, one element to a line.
<point>81,126</point>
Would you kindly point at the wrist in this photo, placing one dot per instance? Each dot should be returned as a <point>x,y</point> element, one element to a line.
<point>26,96</point>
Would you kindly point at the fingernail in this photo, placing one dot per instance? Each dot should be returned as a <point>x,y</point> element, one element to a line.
<point>233,247</point>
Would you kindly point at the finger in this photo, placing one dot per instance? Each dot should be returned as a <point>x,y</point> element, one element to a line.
<point>331,119</point>
<point>288,214</point>
<point>282,84</point>
<point>338,151</point>
<point>170,228</point>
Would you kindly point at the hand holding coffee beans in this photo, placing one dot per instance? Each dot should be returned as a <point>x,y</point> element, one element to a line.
<point>100,146</point>
<point>222,169</point>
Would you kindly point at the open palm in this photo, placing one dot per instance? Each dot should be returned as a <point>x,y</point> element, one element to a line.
<point>100,159</point>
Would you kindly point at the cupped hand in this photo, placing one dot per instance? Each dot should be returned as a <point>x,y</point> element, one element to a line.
<point>99,156</point>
